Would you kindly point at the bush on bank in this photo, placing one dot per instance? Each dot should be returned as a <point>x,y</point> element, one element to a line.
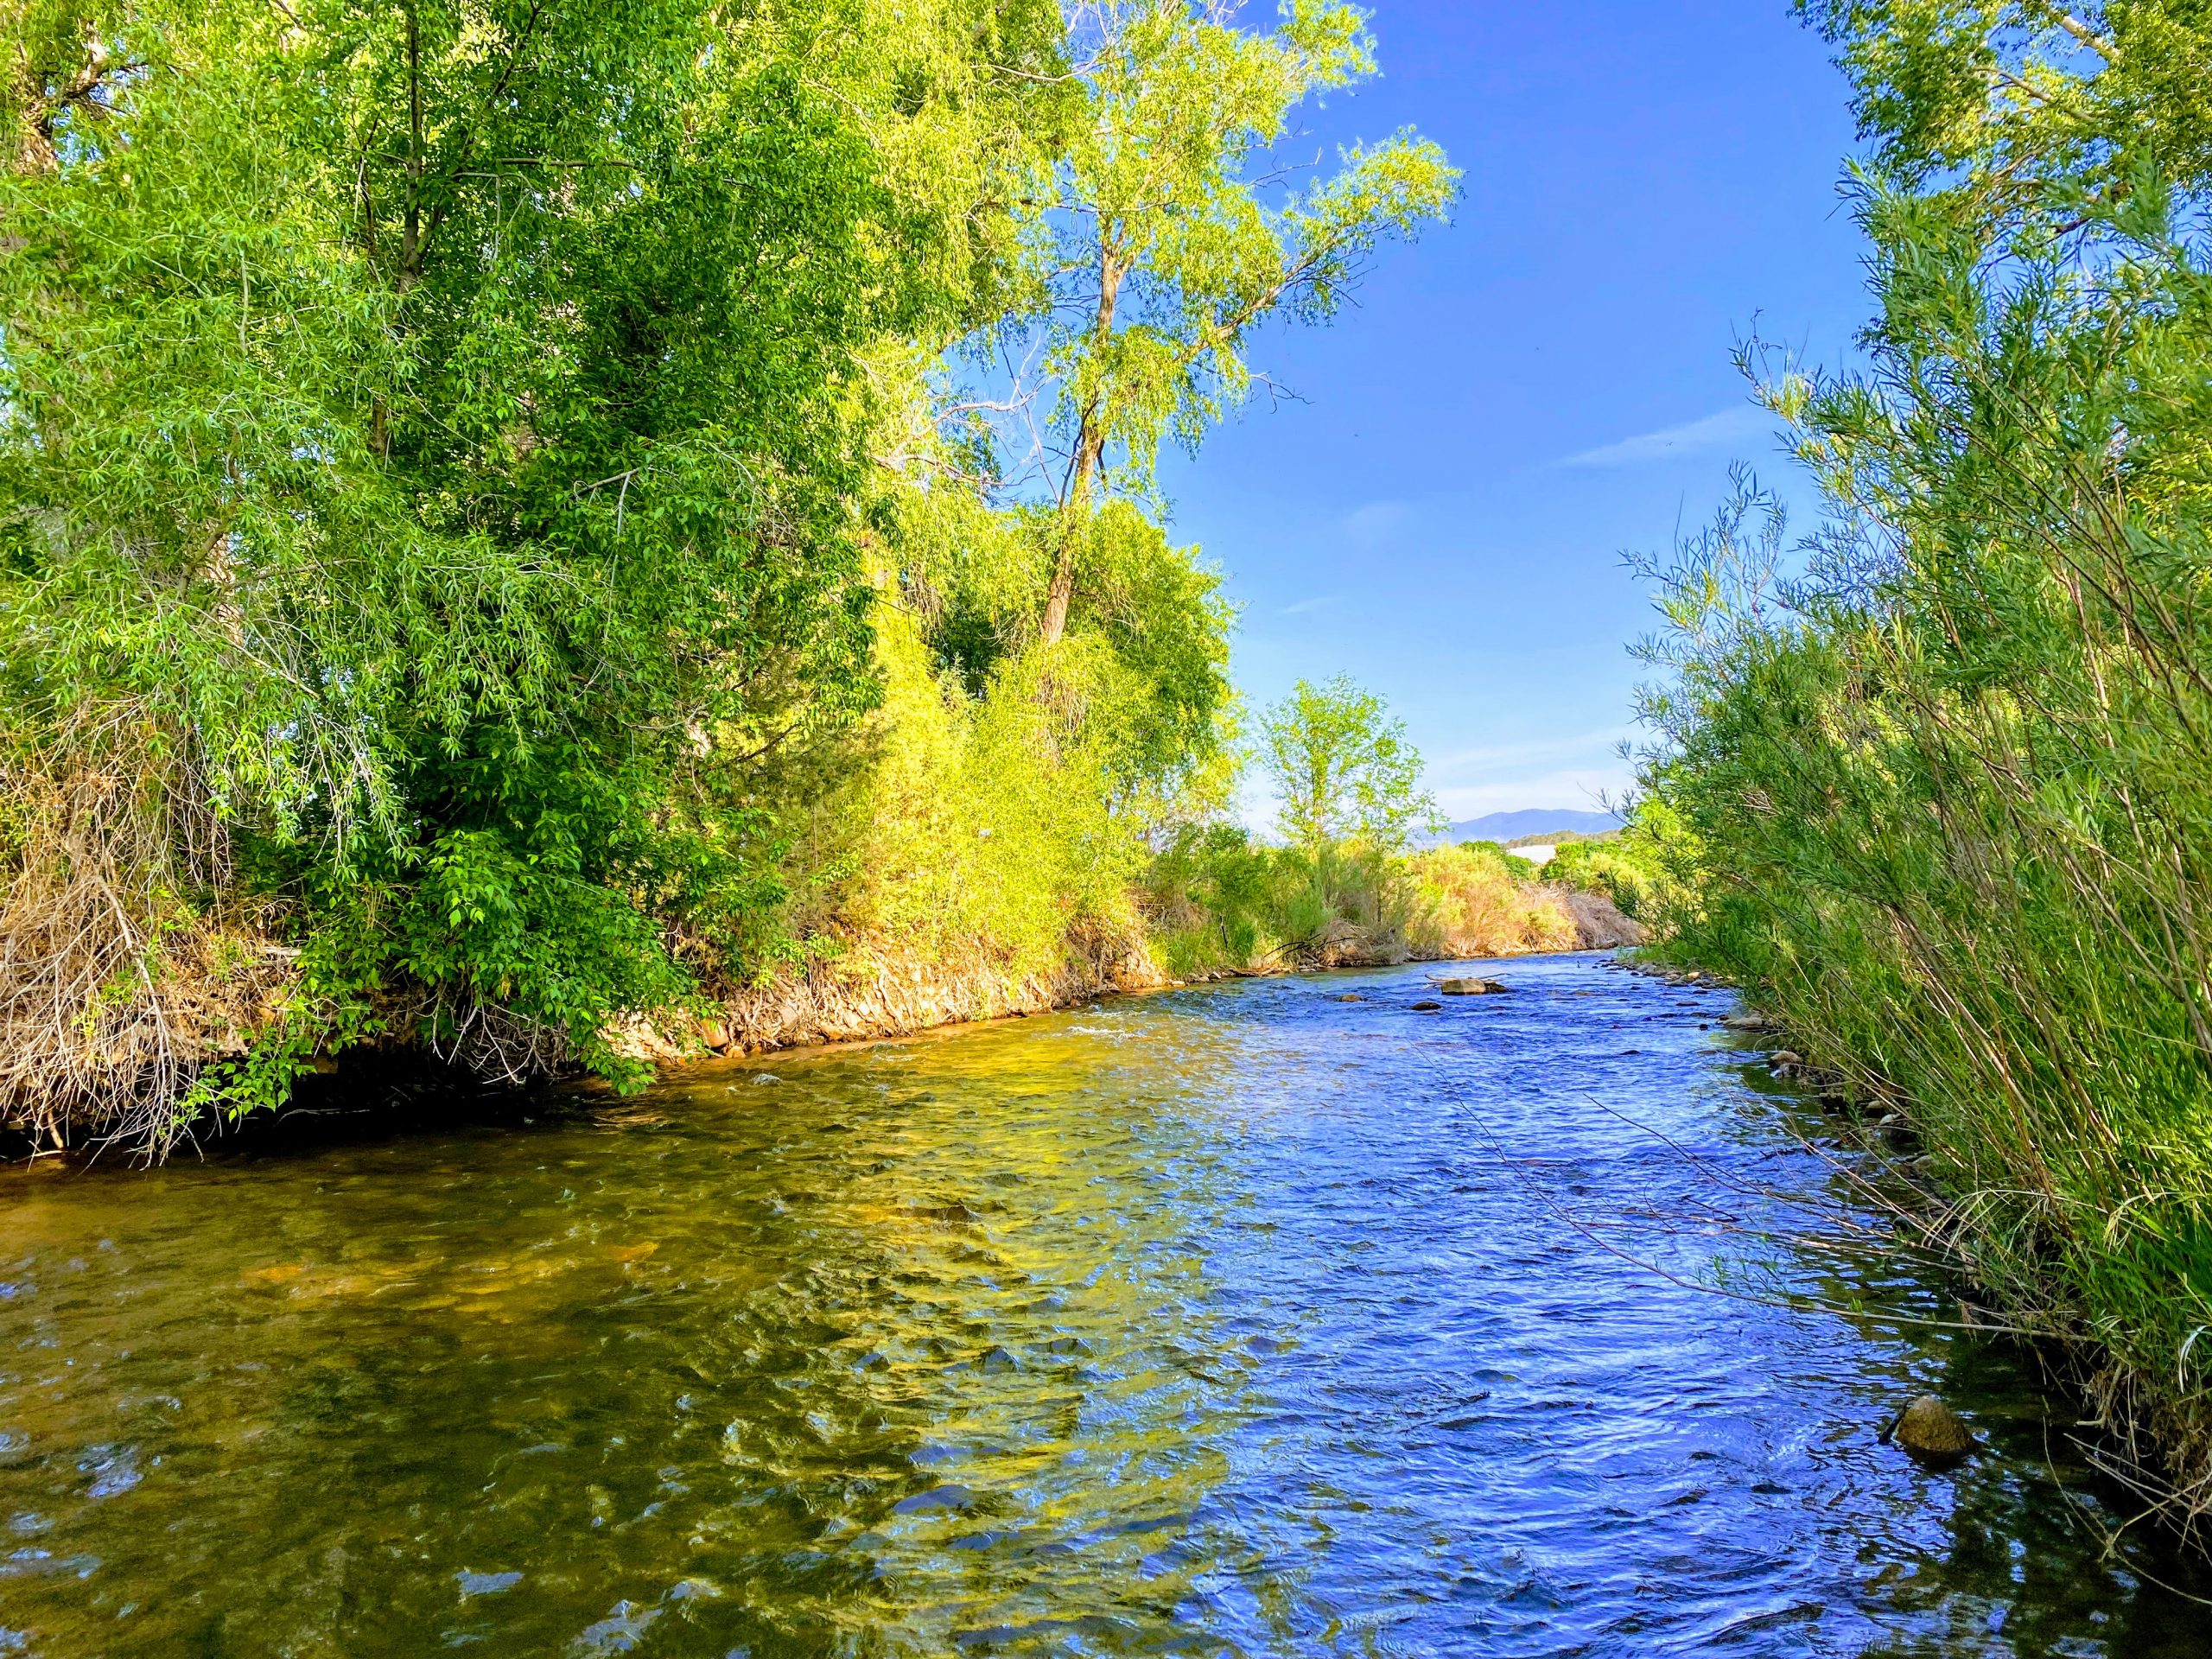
<point>1934,786</point>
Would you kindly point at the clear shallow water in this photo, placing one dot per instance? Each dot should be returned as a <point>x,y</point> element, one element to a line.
<point>1241,1320</point>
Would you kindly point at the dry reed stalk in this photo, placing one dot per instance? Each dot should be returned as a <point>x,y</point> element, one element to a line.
<point>115,987</point>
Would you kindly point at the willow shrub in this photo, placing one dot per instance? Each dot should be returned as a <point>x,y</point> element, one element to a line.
<point>1943,799</point>
<point>427,452</point>
<point>1218,901</point>
<point>981,821</point>
<point>1471,900</point>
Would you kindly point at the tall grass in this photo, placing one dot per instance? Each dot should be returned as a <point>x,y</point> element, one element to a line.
<point>1942,801</point>
<point>1217,902</point>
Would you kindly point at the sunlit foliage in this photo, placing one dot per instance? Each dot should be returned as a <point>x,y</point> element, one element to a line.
<point>1936,783</point>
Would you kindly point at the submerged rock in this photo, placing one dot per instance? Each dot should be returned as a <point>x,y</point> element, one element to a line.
<point>1427,1008</point>
<point>1930,1433</point>
<point>1351,997</point>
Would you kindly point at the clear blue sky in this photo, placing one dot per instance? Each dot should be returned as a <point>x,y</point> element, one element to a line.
<point>1514,400</point>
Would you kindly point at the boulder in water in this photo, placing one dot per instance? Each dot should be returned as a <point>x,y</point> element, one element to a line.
<point>1427,1008</point>
<point>1930,1433</point>
<point>1471,987</point>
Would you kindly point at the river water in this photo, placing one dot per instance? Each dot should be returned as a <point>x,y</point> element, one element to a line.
<point>1239,1320</point>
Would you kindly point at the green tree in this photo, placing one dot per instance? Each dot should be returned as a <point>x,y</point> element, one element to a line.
<point>429,439</point>
<point>1344,771</point>
<point>1162,234</point>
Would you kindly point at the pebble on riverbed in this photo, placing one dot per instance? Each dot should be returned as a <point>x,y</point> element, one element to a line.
<point>1930,1433</point>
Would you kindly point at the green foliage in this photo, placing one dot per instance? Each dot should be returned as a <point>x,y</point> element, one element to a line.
<point>1161,236</point>
<point>984,821</point>
<point>1476,899</point>
<point>434,424</point>
<point>1343,770</point>
<point>1942,798</point>
<point>1521,870</point>
<point>1625,868</point>
<point>1344,890</point>
<point>486,501</point>
<point>1220,902</point>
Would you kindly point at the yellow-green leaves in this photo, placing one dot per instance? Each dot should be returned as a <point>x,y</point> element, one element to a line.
<point>1169,228</point>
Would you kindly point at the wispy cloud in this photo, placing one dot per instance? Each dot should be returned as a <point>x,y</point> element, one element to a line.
<point>1575,745</point>
<point>1307,607</point>
<point>1368,527</point>
<point>1724,430</point>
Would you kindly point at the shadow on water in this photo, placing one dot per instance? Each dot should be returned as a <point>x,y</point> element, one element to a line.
<point>1238,1320</point>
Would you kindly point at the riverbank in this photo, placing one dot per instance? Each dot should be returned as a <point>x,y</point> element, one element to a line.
<point>2030,1269</point>
<point>229,1031</point>
<point>870,990</point>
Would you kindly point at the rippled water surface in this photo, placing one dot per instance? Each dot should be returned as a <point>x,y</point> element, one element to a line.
<point>1244,1320</point>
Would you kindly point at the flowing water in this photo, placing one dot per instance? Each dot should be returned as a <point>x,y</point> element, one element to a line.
<point>1241,1320</point>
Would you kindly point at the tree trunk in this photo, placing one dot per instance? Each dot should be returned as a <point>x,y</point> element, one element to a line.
<point>1074,518</point>
<point>1089,451</point>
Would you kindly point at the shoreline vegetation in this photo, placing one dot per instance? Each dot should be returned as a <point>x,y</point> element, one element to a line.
<point>1455,905</point>
<point>523,523</point>
<point>624,530</point>
<point>1930,783</point>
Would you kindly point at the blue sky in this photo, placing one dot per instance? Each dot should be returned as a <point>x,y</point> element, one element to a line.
<point>1514,400</point>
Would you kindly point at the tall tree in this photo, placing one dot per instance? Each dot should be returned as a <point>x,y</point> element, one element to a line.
<point>1167,230</point>
<point>427,442</point>
<point>1343,769</point>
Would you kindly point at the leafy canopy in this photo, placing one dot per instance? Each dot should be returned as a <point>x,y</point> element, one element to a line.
<point>1167,227</point>
<point>1344,771</point>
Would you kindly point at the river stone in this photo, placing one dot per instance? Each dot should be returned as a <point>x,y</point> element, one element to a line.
<point>1351,997</point>
<point>1469,987</point>
<point>1427,1008</point>
<point>1931,1432</point>
<point>938,1497</point>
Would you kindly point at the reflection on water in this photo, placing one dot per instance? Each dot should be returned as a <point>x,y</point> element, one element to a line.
<point>1241,1320</point>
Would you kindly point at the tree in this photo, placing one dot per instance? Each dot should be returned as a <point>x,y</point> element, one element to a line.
<point>1343,770</point>
<point>427,450</point>
<point>2028,105</point>
<point>1153,248</point>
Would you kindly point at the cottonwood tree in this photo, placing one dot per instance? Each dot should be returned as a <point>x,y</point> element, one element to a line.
<point>1343,770</point>
<point>1170,226</point>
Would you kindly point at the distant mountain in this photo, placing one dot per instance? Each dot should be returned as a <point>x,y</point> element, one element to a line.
<point>1531,821</point>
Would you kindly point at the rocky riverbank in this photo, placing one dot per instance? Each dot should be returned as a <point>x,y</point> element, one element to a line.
<point>872,988</point>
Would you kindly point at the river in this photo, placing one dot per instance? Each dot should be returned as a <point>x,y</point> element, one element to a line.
<point>1247,1320</point>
